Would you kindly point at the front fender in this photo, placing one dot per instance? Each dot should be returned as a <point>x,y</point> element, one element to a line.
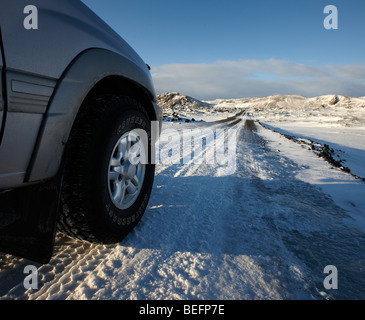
<point>80,77</point>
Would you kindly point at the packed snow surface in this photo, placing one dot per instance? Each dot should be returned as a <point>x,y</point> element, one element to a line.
<point>263,224</point>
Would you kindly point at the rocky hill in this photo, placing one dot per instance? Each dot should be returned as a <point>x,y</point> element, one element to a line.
<point>175,100</point>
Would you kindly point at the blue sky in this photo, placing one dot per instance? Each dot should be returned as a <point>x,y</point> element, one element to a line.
<point>236,48</point>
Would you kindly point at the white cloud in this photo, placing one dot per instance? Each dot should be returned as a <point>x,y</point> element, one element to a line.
<point>248,78</point>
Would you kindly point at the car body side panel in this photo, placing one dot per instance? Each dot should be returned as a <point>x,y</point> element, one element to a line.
<point>85,72</point>
<point>27,101</point>
<point>17,147</point>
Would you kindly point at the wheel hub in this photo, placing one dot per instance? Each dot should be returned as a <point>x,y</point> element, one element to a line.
<point>126,170</point>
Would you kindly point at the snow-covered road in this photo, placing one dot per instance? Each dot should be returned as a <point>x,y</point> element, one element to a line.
<point>259,232</point>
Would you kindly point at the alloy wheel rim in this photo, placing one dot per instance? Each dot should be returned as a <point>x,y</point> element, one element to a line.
<point>127,169</point>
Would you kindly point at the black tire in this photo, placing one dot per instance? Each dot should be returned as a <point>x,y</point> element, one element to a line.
<point>88,211</point>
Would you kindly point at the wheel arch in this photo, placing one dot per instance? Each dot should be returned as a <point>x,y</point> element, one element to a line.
<point>125,87</point>
<point>94,71</point>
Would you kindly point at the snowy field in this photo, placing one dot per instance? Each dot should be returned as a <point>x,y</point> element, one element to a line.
<point>263,223</point>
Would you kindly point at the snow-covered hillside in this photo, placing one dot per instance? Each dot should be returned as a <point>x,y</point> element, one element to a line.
<point>262,224</point>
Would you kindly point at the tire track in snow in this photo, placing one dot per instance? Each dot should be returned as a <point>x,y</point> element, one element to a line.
<point>257,234</point>
<point>178,245</point>
<point>70,264</point>
<point>58,278</point>
<point>201,226</point>
<point>192,247</point>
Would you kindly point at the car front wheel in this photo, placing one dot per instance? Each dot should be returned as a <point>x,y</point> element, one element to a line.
<point>107,175</point>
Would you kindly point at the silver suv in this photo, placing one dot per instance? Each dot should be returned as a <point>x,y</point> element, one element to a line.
<point>75,100</point>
